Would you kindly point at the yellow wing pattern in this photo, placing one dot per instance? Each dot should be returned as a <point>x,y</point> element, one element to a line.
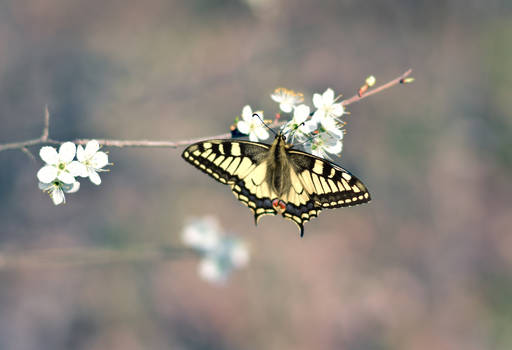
<point>240,165</point>
<point>314,183</point>
<point>319,184</point>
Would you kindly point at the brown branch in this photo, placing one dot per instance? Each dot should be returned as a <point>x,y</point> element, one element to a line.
<point>45,138</point>
<point>46,128</point>
<point>86,256</point>
<point>357,98</point>
<point>28,153</point>
<point>149,143</point>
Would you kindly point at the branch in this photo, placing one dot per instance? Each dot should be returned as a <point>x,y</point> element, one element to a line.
<point>357,98</point>
<point>83,256</point>
<point>45,138</point>
<point>46,128</point>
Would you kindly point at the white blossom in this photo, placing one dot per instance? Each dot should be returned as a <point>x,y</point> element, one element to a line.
<point>328,111</point>
<point>327,142</point>
<point>202,234</point>
<point>220,254</point>
<point>211,271</point>
<point>252,125</point>
<point>300,126</point>
<point>61,165</point>
<point>57,188</point>
<point>287,99</point>
<point>93,161</point>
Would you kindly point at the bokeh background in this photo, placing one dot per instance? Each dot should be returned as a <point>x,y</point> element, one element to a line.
<point>426,265</point>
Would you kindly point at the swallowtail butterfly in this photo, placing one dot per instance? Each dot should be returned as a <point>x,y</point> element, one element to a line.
<point>276,179</point>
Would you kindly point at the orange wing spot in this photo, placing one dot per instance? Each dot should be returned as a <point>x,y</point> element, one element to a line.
<point>279,205</point>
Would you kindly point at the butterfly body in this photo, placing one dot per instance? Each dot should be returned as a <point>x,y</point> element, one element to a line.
<point>276,179</point>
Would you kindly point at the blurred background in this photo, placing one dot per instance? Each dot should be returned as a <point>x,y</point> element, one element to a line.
<point>426,265</point>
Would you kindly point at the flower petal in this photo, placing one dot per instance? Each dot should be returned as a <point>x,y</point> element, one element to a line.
<point>334,149</point>
<point>66,177</point>
<point>47,174</point>
<point>71,188</point>
<point>239,255</point>
<point>49,155</point>
<point>80,153</point>
<point>317,152</point>
<point>45,186</point>
<point>318,115</point>
<point>337,109</point>
<point>210,270</point>
<point>309,126</point>
<point>76,168</point>
<point>94,177</point>
<point>243,127</point>
<point>328,97</point>
<point>337,133</point>
<point>253,137</point>
<point>67,152</point>
<point>247,113</point>
<point>286,107</point>
<point>99,160</point>
<point>301,113</point>
<point>261,133</point>
<point>57,196</point>
<point>92,147</point>
<point>277,96</point>
<point>329,124</point>
<point>317,101</point>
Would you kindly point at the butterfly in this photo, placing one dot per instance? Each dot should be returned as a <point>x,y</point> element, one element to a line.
<point>277,179</point>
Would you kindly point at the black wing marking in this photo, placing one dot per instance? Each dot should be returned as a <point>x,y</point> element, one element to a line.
<point>329,185</point>
<point>225,160</point>
<point>238,164</point>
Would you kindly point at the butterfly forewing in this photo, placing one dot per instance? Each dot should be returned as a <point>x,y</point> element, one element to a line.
<point>224,160</point>
<point>329,185</point>
<point>239,164</point>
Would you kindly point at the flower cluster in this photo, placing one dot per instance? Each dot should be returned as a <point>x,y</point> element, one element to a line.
<point>60,172</point>
<point>220,254</point>
<point>320,131</point>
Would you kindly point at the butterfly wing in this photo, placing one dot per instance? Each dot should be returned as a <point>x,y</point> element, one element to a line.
<point>239,164</point>
<point>319,184</point>
<point>328,184</point>
<point>315,183</point>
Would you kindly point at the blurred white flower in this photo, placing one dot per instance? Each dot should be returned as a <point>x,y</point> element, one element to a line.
<point>202,234</point>
<point>57,188</point>
<point>211,271</point>
<point>252,125</point>
<point>287,99</point>
<point>93,161</point>
<point>61,165</point>
<point>220,254</point>
<point>328,111</point>
<point>326,142</point>
<point>239,254</point>
<point>299,126</point>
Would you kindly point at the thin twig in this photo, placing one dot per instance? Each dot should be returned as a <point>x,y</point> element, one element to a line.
<point>357,98</point>
<point>149,143</point>
<point>86,256</point>
<point>46,128</point>
<point>45,138</point>
<point>28,153</point>
<point>18,145</point>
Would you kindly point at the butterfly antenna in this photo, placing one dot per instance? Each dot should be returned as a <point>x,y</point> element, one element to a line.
<point>292,131</point>
<point>316,134</point>
<point>263,122</point>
